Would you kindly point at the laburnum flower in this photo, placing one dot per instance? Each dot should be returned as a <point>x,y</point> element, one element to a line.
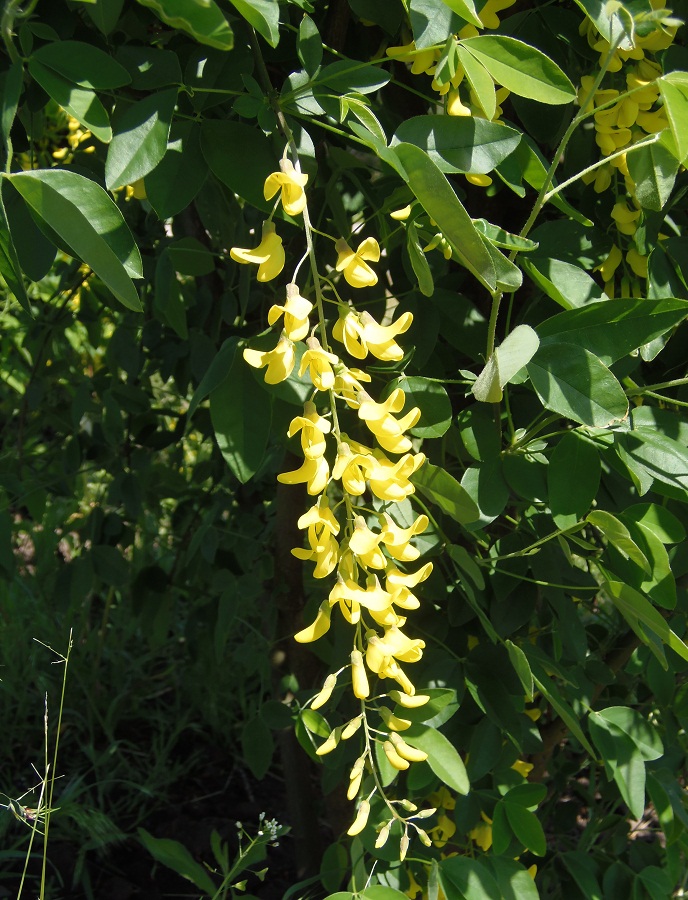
<point>348,468</point>
<point>313,428</point>
<point>348,385</point>
<point>361,334</point>
<point>443,831</point>
<point>296,311</point>
<point>388,480</point>
<point>320,364</point>
<point>482,833</point>
<point>365,544</point>
<point>356,270</point>
<point>637,262</point>
<point>488,14</point>
<point>398,585</point>
<point>314,473</point>
<point>610,264</point>
<point>268,255</point>
<point>382,654</point>
<point>398,540</point>
<point>626,219</point>
<point>291,183</point>
<point>279,362</point>
<point>379,419</point>
<point>318,627</point>
<point>322,527</point>
<point>351,597</point>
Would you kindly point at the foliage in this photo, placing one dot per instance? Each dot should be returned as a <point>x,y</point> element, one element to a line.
<point>469,385</point>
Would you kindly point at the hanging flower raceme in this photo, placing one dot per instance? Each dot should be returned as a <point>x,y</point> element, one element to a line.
<point>268,255</point>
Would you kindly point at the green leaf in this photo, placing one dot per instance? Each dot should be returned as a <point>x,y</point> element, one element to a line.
<point>635,725</point>
<point>176,857</point>
<point>168,300</point>
<point>465,9</point>
<point>437,197</point>
<point>567,284</point>
<point>674,91</point>
<point>190,257</point>
<point>653,168</point>
<point>348,75</point>
<point>140,139</point>
<point>572,381</point>
<point>637,610</point>
<point>9,263</point>
<point>551,693</point>
<point>35,252</point>
<point>622,761</point>
<point>619,536</point>
<point>659,585</point>
<point>528,795</point>
<point>573,477</point>
<point>263,15</point>
<point>202,19</point>
<point>467,879</point>
<point>179,176</point>
<point>381,892</point>
<point>79,102</point>
<point>467,565</point>
<point>443,758</point>
<point>516,351</point>
<point>241,157</point>
<point>613,329</point>
<point>82,64</point>
<point>240,411</point>
<point>657,519</point>
<point>509,276</point>
<point>150,68</point>
<point>419,263</point>
<point>526,826</point>
<point>309,47</point>
<point>432,21</point>
<point>480,81</point>
<point>257,746</point>
<point>444,490</point>
<point>109,565</point>
<point>458,143</point>
<point>578,864</point>
<point>11,84</point>
<point>521,69</point>
<point>441,706</point>
<point>513,879</point>
<point>505,239</point>
<point>522,668</point>
<point>656,882</point>
<point>87,220</point>
<point>433,402</point>
<point>105,14</point>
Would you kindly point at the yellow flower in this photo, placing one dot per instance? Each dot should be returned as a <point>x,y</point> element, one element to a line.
<point>399,583</point>
<point>442,799</point>
<point>291,183</point>
<point>351,597</point>
<point>611,264</point>
<point>318,627</point>
<point>397,540</point>
<point>364,543</point>
<point>359,679</point>
<point>348,384</point>
<point>400,214</point>
<point>388,480</point>
<point>488,14</point>
<point>315,473</point>
<point>379,419</point>
<point>522,767</point>
<point>381,651</point>
<point>324,549</point>
<point>626,219</point>
<point>356,270</point>
<point>361,334</point>
<point>348,467</point>
<point>443,831</point>
<point>637,262</point>
<point>319,363</point>
<point>268,255</point>
<point>279,362</point>
<point>482,833</point>
<point>296,311</point>
<point>456,106</point>
<point>313,429</point>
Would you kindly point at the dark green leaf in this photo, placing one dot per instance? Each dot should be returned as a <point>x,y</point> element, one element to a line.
<point>11,83</point>
<point>419,263</point>
<point>458,143</point>
<point>168,301</point>
<point>653,169</point>
<point>82,64</point>
<point>443,758</point>
<point>35,252</point>
<point>617,534</point>
<point>572,381</point>
<point>434,404</point>
<point>202,19</point>
<point>515,352</point>
<point>216,373</point>
<point>636,726</point>
<point>140,138</point>
<point>444,490</point>
<point>622,761</point>
<point>263,15</point>
<point>437,197</point>
<point>241,414</point>
<point>150,68</point>
<point>178,178</point>
<point>9,263</point>
<point>241,157</point>
<point>257,745</point>
<point>105,14</point>
<point>81,103</point>
<point>348,75</point>
<point>190,257</point>
<point>522,668</point>
<point>527,828</point>
<point>176,857</point>
<point>309,46</point>
<point>86,218</point>
<point>467,878</point>
<point>573,477</point>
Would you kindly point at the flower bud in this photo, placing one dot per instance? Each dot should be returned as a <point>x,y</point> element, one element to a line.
<point>330,743</point>
<point>359,679</point>
<point>351,728</point>
<point>405,751</point>
<point>325,693</point>
<point>394,758</point>
<point>408,701</point>
<point>383,835</point>
<point>394,723</point>
<point>403,846</point>
<point>425,838</point>
<point>361,819</point>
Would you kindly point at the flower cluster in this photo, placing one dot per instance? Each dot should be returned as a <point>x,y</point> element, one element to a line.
<point>626,110</point>
<point>449,77</point>
<point>369,553</point>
